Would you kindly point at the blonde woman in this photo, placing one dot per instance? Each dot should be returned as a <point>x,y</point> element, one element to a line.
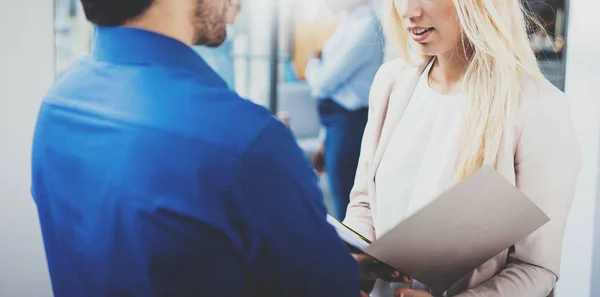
<point>471,95</point>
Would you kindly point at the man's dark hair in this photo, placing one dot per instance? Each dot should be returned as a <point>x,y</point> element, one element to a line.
<point>114,12</point>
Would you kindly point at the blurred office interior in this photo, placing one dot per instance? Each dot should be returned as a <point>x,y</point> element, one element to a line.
<point>270,41</point>
<point>269,48</point>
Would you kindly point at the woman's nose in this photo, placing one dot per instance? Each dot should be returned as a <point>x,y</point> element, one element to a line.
<point>408,9</point>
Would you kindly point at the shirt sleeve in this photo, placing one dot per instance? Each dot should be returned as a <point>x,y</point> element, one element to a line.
<point>340,63</point>
<point>297,253</point>
<point>517,279</point>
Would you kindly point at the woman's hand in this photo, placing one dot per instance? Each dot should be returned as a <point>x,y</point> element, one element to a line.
<point>404,292</point>
<point>315,54</point>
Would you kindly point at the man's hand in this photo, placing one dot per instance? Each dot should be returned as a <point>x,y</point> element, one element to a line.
<point>404,292</point>
<point>319,160</point>
<point>363,294</point>
<point>368,264</point>
<point>284,117</point>
<point>315,54</point>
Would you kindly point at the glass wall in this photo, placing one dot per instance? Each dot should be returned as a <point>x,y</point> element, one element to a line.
<point>550,46</point>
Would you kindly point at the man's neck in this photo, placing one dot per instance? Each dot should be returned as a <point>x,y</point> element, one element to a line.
<point>165,21</point>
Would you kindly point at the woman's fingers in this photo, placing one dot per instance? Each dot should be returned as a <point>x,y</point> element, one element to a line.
<point>364,259</point>
<point>404,292</point>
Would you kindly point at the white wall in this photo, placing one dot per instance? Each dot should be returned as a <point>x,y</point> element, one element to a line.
<point>582,79</point>
<point>26,72</point>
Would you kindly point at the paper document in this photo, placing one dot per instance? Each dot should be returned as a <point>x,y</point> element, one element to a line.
<point>348,235</point>
<point>457,232</point>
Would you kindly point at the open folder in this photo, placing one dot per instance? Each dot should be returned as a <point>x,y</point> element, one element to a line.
<point>459,231</point>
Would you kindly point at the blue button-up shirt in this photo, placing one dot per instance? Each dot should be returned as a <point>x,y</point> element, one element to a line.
<point>350,60</point>
<point>153,179</point>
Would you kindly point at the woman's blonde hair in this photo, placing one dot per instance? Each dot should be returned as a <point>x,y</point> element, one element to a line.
<point>495,32</point>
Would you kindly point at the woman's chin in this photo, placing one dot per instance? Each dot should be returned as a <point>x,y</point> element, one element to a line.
<point>426,49</point>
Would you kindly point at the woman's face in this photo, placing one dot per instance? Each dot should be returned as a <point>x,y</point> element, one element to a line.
<point>432,24</point>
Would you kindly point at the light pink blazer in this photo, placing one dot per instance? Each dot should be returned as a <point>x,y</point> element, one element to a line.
<point>542,159</point>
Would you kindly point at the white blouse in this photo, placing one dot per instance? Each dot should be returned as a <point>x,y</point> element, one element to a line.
<point>420,159</point>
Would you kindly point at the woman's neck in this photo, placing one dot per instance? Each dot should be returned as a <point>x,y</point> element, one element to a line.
<point>448,70</point>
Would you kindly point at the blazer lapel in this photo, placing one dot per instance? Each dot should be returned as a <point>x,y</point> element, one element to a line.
<point>397,100</point>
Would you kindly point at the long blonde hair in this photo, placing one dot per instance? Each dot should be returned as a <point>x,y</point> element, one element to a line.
<point>495,30</point>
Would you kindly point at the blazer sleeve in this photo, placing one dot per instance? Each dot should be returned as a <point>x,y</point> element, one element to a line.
<point>547,163</point>
<point>359,215</point>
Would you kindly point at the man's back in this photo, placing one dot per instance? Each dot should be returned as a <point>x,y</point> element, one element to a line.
<point>152,179</point>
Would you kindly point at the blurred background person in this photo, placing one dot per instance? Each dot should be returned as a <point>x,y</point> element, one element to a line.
<point>220,58</point>
<point>340,77</point>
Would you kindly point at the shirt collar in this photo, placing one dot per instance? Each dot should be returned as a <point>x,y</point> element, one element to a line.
<point>128,45</point>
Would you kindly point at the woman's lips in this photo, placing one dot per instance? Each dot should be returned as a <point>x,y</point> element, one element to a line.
<point>421,34</point>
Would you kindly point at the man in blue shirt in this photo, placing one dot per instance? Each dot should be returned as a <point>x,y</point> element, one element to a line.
<point>341,77</point>
<point>153,179</point>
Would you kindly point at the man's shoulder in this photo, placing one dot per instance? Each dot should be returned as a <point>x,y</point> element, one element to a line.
<point>173,102</point>
<point>222,118</point>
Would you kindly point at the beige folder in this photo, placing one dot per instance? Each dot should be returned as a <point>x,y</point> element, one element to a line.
<point>459,231</point>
